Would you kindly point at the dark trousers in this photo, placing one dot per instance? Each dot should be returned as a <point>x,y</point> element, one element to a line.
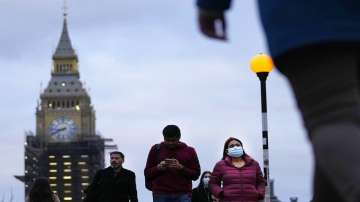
<point>326,83</point>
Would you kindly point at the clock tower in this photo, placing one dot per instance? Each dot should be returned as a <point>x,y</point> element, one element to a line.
<point>65,113</point>
<point>65,147</point>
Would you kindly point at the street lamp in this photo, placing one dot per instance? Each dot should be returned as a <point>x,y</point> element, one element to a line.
<point>262,64</point>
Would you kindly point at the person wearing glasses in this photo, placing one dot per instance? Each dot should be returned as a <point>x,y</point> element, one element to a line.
<point>237,177</point>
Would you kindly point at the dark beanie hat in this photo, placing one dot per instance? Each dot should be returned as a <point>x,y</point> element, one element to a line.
<point>171,131</point>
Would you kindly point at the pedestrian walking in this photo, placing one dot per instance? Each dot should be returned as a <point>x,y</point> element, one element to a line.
<point>237,177</point>
<point>171,167</point>
<point>114,183</point>
<point>202,193</point>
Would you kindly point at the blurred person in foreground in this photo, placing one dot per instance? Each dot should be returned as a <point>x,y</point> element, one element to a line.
<point>315,44</point>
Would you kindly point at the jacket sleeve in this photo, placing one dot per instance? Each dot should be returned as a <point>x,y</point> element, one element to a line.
<point>215,181</point>
<point>132,188</point>
<point>151,170</point>
<point>192,169</point>
<point>92,190</point>
<point>214,4</point>
<point>260,183</point>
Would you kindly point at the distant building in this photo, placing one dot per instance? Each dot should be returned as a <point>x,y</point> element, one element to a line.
<point>65,147</point>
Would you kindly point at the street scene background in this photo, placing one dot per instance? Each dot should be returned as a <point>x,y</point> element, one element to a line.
<point>145,66</point>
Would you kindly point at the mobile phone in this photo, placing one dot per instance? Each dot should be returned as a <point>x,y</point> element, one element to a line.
<point>169,161</point>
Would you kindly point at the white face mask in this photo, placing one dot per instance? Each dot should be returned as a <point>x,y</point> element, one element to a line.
<point>236,152</point>
<point>206,181</point>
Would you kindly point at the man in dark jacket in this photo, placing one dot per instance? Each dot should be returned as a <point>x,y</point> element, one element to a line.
<point>170,168</point>
<point>113,184</point>
<point>316,45</point>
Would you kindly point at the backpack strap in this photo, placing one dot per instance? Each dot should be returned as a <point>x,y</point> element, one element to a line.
<point>157,150</point>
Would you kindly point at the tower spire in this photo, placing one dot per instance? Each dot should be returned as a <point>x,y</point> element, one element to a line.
<point>64,48</point>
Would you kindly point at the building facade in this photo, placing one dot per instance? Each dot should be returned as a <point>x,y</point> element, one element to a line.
<point>65,147</point>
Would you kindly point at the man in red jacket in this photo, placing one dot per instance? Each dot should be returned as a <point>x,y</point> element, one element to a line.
<point>170,168</point>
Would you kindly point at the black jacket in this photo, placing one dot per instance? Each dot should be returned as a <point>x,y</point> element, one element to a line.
<point>106,187</point>
<point>201,194</point>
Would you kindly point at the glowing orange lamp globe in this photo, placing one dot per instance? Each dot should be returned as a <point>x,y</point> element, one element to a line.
<point>261,63</point>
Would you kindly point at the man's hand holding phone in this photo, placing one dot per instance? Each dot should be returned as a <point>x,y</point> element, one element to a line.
<point>173,163</point>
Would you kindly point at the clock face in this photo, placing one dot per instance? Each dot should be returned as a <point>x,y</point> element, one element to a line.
<point>62,129</point>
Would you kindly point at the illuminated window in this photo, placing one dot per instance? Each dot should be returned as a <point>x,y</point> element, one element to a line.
<point>52,178</point>
<point>53,163</point>
<point>67,163</point>
<point>67,177</point>
<point>85,177</point>
<point>66,156</point>
<point>52,171</point>
<point>67,198</point>
<point>67,184</point>
<point>53,185</point>
<point>67,170</point>
<point>84,170</point>
<point>82,163</point>
<point>67,191</point>
<point>85,184</point>
<point>51,157</point>
<point>84,156</point>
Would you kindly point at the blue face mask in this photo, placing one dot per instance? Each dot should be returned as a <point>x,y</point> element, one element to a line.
<point>236,152</point>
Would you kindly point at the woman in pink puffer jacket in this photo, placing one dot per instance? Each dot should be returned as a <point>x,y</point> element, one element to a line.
<point>237,177</point>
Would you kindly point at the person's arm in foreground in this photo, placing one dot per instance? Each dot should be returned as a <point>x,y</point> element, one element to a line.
<point>211,12</point>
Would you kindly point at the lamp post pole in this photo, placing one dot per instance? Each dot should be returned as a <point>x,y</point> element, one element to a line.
<point>265,137</point>
<point>262,65</point>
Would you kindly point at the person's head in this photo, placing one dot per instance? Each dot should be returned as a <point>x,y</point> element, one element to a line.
<point>116,159</point>
<point>171,135</point>
<point>204,179</point>
<point>232,145</point>
<point>41,191</point>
